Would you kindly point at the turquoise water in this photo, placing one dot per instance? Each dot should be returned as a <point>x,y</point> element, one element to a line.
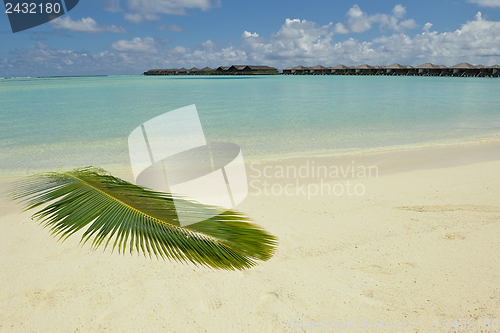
<point>52,122</point>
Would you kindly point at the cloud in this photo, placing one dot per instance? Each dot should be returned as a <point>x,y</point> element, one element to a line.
<point>297,42</point>
<point>486,3</point>
<point>40,59</point>
<point>177,7</point>
<point>111,5</point>
<point>301,42</point>
<point>359,21</point>
<point>477,41</point>
<point>144,45</point>
<point>427,26</point>
<point>138,11</point>
<point>171,27</point>
<point>399,11</point>
<point>85,25</point>
<point>340,29</point>
<point>408,24</point>
<point>134,18</point>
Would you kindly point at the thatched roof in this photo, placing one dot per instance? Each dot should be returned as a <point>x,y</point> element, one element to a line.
<point>318,67</point>
<point>395,66</point>
<point>409,67</point>
<point>254,68</point>
<point>495,67</point>
<point>427,65</point>
<point>207,69</point>
<point>340,67</point>
<point>463,65</point>
<point>194,69</point>
<point>442,66</point>
<point>364,66</point>
<point>480,66</point>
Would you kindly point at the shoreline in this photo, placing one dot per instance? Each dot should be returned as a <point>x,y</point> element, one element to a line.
<point>391,159</point>
<point>405,159</point>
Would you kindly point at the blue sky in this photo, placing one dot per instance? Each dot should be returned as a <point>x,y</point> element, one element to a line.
<point>132,36</point>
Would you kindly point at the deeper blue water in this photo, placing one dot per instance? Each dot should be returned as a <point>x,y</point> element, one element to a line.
<point>53,122</point>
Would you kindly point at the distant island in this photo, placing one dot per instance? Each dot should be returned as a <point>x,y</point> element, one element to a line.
<point>460,70</point>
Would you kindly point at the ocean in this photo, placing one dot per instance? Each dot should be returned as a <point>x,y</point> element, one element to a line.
<point>47,123</point>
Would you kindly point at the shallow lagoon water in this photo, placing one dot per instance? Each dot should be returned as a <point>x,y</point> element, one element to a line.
<point>69,122</point>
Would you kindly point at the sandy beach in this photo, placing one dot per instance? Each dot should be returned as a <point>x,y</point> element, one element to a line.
<point>412,247</point>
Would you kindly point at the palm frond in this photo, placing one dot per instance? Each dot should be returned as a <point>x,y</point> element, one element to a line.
<point>129,216</point>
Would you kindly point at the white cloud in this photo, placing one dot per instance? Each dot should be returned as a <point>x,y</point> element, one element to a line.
<point>359,21</point>
<point>144,45</point>
<point>179,49</point>
<point>138,11</point>
<point>297,42</point>
<point>134,18</point>
<point>486,3</point>
<point>399,11</point>
<point>171,27</point>
<point>85,25</point>
<point>477,41</point>
<point>301,42</point>
<point>340,29</point>
<point>208,44</point>
<point>408,24</point>
<point>40,59</point>
<point>112,5</point>
<point>427,26</point>
<point>177,7</point>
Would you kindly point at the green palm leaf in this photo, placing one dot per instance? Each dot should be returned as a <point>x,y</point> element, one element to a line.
<point>129,216</point>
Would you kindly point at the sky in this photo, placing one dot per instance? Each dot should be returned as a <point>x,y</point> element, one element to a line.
<point>129,37</point>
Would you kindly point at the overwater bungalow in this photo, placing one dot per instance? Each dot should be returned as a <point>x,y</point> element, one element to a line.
<point>207,70</point>
<point>410,70</point>
<point>465,69</point>
<point>299,70</point>
<point>246,69</point>
<point>445,71</point>
<point>339,70</point>
<point>461,70</point>
<point>365,70</point>
<point>380,70</point>
<point>396,69</point>
<point>262,69</point>
<point>428,69</point>
<point>222,69</point>
<point>318,70</point>
<point>494,70</point>
<point>194,71</point>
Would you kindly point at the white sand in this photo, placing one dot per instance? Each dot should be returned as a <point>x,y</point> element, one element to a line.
<point>420,246</point>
